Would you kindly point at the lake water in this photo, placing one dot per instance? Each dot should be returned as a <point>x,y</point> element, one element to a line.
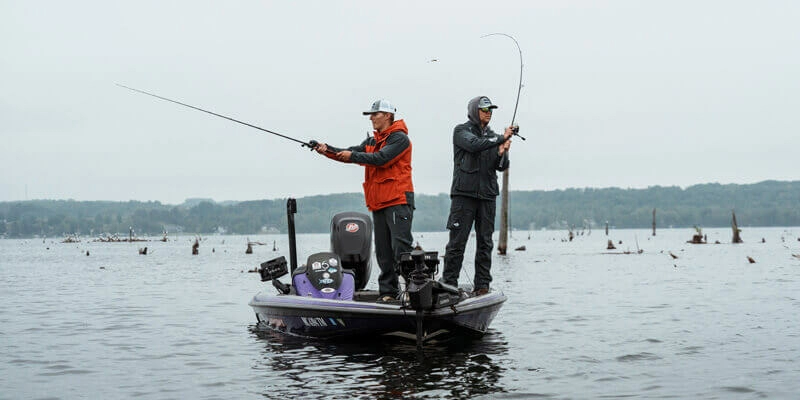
<point>579,323</point>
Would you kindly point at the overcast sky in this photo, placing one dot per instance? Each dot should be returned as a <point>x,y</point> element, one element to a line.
<point>616,93</point>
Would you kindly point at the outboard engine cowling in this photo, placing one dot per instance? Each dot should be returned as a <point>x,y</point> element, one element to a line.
<point>323,277</point>
<point>351,239</point>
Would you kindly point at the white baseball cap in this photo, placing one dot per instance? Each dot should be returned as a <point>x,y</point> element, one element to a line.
<point>381,105</point>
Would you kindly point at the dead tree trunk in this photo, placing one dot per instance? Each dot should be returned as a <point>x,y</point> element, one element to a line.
<point>502,245</point>
<point>654,222</point>
<point>735,227</point>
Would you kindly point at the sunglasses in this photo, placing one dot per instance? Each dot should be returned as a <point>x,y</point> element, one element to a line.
<point>486,109</point>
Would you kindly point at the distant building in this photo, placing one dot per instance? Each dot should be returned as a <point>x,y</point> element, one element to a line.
<point>269,229</point>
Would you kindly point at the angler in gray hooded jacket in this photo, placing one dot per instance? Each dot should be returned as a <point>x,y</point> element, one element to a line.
<point>478,153</point>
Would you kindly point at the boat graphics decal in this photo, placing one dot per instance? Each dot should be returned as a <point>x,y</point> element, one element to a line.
<point>314,321</point>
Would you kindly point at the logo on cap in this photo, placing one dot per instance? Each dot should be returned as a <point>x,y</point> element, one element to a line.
<point>484,102</point>
<point>381,105</point>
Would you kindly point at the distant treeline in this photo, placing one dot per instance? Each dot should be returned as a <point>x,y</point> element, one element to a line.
<point>769,203</point>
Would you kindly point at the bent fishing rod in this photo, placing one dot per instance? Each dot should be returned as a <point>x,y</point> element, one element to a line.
<point>311,144</point>
<point>519,89</point>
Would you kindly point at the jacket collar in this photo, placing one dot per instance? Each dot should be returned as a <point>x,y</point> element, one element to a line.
<point>398,125</point>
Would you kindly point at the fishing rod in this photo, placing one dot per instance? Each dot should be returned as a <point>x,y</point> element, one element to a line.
<point>519,89</point>
<point>312,144</point>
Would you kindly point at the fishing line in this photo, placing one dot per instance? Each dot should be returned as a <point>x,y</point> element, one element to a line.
<point>310,144</point>
<point>519,89</point>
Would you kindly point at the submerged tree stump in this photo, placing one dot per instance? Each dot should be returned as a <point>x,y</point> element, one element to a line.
<point>698,237</point>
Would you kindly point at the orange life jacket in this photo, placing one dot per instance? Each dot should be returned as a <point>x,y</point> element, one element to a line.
<point>386,185</point>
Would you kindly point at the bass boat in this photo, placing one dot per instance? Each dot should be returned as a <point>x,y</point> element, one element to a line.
<point>327,298</point>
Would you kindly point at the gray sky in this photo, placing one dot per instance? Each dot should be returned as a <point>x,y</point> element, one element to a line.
<point>617,93</point>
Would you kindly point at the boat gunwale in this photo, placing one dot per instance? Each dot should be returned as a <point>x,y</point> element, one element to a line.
<point>295,302</point>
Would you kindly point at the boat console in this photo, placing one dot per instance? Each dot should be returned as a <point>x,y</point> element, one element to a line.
<point>323,277</point>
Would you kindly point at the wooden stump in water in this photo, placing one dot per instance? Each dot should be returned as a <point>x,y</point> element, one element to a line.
<point>736,230</point>
<point>654,222</point>
<point>698,237</point>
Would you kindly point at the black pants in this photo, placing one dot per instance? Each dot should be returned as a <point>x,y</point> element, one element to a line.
<point>464,211</point>
<point>392,227</point>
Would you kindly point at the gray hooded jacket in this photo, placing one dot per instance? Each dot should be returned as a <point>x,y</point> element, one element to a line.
<point>475,159</point>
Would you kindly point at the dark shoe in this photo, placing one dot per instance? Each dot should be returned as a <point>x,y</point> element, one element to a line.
<point>386,299</point>
<point>480,292</point>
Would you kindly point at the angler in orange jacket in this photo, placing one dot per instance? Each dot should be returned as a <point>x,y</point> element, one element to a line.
<point>388,189</point>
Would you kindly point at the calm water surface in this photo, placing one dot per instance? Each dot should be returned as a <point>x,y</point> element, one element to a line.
<point>579,323</point>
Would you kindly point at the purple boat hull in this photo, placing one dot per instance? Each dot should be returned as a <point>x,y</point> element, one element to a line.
<point>323,318</point>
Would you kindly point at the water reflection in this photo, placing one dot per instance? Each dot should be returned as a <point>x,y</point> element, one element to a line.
<point>379,369</point>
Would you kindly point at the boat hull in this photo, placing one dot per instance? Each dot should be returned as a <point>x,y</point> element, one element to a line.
<point>332,319</point>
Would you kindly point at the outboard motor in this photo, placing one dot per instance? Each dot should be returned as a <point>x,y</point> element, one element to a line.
<point>324,277</point>
<point>351,239</point>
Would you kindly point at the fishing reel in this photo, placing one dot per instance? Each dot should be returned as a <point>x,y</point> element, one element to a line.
<point>515,129</point>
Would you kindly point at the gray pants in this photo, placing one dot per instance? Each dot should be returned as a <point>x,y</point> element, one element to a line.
<point>464,211</point>
<point>392,226</point>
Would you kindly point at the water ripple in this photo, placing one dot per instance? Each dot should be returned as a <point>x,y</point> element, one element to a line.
<point>172,325</point>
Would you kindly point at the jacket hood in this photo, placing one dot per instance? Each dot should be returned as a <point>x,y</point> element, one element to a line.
<point>472,110</point>
<point>398,125</point>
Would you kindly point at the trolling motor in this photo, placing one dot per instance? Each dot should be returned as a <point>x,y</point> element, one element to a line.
<point>418,268</point>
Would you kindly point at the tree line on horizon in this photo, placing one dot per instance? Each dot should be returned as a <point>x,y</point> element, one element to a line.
<point>768,203</point>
